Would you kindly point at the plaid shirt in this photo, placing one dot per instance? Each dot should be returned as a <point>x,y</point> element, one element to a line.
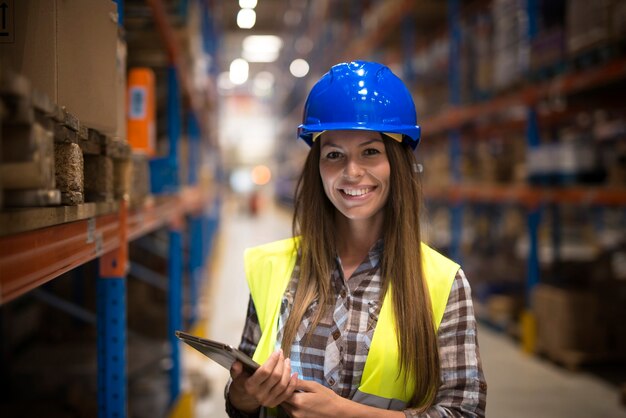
<point>336,353</point>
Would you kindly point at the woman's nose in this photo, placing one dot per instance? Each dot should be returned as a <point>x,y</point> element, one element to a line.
<point>352,169</point>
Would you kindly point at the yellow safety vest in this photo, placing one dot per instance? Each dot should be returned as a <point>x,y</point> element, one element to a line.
<point>268,271</point>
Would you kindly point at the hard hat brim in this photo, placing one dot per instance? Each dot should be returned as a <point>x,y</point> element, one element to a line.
<point>410,133</point>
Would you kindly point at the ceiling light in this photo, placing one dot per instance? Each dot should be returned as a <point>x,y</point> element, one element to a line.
<point>299,68</point>
<point>262,42</point>
<point>246,18</point>
<point>261,48</point>
<point>259,56</point>
<point>239,70</point>
<point>261,175</point>
<point>247,4</point>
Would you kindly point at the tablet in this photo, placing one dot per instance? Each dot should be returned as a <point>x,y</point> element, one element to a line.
<point>221,353</point>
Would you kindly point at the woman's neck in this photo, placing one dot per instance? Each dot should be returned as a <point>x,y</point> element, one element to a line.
<point>356,238</point>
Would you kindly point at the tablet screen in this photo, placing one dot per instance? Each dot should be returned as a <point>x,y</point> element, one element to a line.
<point>223,354</point>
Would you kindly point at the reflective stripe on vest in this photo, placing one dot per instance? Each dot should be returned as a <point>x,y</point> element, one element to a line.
<point>268,271</point>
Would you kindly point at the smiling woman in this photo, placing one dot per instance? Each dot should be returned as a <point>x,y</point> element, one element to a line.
<point>355,173</point>
<point>354,315</point>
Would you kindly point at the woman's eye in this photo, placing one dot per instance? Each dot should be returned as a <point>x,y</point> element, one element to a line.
<point>371,151</point>
<point>333,155</point>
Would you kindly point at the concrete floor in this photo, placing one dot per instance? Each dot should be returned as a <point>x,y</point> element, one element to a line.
<point>520,386</point>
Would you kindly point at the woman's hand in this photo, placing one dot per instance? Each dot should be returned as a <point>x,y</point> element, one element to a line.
<point>269,386</point>
<point>314,400</point>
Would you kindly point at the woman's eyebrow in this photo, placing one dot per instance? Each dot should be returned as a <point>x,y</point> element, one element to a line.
<point>371,141</point>
<point>363,144</point>
<point>330,144</point>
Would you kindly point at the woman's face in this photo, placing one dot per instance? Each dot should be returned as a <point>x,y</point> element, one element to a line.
<point>355,172</point>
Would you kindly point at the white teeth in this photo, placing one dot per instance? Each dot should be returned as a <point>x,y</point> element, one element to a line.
<point>356,192</point>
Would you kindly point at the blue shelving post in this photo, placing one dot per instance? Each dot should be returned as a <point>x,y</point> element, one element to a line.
<point>454,85</point>
<point>175,304</point>
<point>167,181</point>
<point>111,326</point>
<point>164,170</point>
<point>196,259</point>
<point>528,325</point>
<point>164,179</point>
<point>533,140</point>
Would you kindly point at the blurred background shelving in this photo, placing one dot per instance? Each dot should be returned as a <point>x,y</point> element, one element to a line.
<point>104,231</point>
<point>523,149</point>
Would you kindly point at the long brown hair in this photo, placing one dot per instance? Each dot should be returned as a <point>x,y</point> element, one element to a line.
<point>314,217</point>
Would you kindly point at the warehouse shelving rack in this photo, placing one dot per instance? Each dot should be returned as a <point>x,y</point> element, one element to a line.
<point>29,259</point>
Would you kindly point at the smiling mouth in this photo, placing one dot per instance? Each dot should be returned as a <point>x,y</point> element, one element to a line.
<point>356,192</point>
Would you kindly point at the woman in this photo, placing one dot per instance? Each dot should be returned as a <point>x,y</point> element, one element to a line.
<point>371,321</point>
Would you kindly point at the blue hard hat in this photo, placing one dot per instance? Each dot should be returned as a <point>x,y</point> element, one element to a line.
<point>360,95</point>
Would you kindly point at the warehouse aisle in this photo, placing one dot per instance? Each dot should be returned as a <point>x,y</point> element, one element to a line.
<point>519,385</point>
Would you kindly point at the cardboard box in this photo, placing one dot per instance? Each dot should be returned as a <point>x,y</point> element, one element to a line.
<point>68,50</point>
<point>569,320</point>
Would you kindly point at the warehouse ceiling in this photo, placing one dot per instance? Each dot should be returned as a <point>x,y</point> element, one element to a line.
<point>322,32</point>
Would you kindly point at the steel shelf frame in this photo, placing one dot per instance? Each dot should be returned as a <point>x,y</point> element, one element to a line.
<point>454,136</point>
<point>529,196</point>
<point>529,96</point>
<point>32,258</point>
<point>535,199</point>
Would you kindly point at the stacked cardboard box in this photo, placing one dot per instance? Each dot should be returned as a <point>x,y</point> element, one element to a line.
<point>588,25</point>
<point>69,51</point>
<point>511,49</point>
<point>571,324</point>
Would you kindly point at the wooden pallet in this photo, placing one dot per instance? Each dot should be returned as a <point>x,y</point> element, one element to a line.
<point>573,360</point>
<point>42,138</point>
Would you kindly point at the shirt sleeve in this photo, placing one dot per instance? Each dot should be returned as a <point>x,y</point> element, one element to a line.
<point>249,340</point>
<point>463,391</point>
<point>251,331</point>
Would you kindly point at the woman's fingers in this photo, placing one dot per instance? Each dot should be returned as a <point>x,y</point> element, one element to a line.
<point>238,394</point>
<point>236,370</point>
<point>270,377</point>
<point>269,386</point>
<point>278,383</point>
<point>263,373</point>
<point>291,387</point>
<point>276,394</point>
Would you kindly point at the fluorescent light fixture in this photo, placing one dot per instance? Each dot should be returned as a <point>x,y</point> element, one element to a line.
<point>247,4</point>
<point>261,48</point>
<point>239,70</point>
<point>259,56</point>
<point>246,18</point>
<point>299,68</point>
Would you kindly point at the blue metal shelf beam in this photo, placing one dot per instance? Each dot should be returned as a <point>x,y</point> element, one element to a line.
<point>454,137</point>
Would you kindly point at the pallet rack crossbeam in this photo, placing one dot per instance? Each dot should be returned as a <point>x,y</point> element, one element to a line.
<point>63,305</point>
<point>148,276</point>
